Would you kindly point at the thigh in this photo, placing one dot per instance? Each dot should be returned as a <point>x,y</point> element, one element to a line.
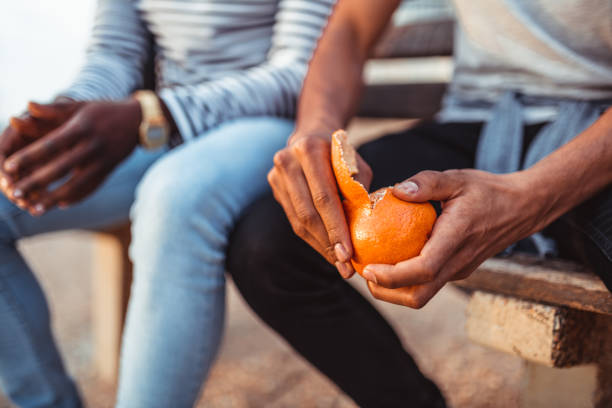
<point>211,178</point>
<point>427,146</point>
<point>585,234</point>
<point>107,206</point>
<point>301,296</point>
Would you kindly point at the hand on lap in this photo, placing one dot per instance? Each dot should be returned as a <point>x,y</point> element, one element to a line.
<point>74,143</point>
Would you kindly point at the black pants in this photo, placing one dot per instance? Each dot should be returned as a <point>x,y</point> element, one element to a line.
<point>303,298</point>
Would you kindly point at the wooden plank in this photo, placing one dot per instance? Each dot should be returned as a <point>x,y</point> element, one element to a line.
<point>420,100</point>
<point>422,39</point>
<point>549,335</point>
<point>553,282</point>
<point>112,277</point>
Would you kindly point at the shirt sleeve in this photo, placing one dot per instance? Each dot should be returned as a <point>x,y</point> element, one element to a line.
<point>270,88</point>
<point>117,55</point>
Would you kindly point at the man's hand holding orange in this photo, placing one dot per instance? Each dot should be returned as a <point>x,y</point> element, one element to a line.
<point>482,214</point>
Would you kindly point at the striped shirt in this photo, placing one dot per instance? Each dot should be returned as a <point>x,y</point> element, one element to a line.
<point>215,60</point>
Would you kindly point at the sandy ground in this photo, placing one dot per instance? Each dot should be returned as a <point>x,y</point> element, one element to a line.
<point>255,367</point>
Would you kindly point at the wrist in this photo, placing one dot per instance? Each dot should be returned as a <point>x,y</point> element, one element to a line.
<point>316,126</point>
<point>134,116</point>
<point>154,130</point>
<point>543,199</point>
<point>298,135</point>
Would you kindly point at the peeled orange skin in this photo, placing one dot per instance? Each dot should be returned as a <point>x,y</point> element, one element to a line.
<point>383,228</point>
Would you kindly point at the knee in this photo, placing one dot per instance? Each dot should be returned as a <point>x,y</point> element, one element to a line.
<point>177,216</point>
<point>170,197</point>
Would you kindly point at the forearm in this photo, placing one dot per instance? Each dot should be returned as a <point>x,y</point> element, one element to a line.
<point>333,84</point>
<point>334,81</point>
<point>573,173</point>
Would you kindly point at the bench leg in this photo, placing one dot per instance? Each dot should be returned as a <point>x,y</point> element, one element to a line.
<point>112,276</point>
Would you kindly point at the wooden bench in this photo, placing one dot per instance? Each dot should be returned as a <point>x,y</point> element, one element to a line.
<point>555,315</point>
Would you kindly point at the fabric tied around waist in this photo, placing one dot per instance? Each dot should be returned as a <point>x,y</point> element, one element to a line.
<point>500,147</point>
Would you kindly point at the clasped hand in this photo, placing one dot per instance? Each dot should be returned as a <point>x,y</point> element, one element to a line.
<point>59,153</point>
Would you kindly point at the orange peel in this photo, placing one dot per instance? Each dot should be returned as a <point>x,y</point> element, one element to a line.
<point>384,229</point>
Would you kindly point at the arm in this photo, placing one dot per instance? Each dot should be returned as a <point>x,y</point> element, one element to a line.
<point>117,56</point>
<point>334,82</point>
<point>483,213</point>
<point>84,139</point>
<point>302,179</point>
<point>268,89</point>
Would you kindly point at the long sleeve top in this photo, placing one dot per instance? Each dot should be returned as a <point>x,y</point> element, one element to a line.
<point>214,60</point>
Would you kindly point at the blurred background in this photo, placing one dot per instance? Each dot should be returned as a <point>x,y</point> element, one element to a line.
<point>42,44</point>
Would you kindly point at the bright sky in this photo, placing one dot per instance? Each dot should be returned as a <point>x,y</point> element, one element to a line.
<point>42,44</point>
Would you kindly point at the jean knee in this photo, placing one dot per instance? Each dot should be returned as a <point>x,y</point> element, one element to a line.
<point>178,215</point>
<point>170,197</point>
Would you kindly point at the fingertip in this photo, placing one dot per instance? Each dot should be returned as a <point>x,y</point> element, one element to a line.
<point>10,166</point>
<point>38,210</point>
<point>38,110</point>
<point>344,269</point>
<point>406,190</point>
<point>369,272</point>
<point>342,254</point>
<point>16,122</point>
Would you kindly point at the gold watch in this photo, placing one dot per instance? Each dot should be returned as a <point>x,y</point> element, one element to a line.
<point>154,130</point>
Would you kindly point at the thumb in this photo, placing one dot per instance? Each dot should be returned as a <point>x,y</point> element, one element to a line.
<point>55,111</point>
<point>22,123</point>
<point>427,186</point>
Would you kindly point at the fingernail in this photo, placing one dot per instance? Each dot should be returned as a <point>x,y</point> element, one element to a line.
<point>17,193</point>
<point>39,208</point>
<point>343,269</point>
<point>9,166</point>
<point>369,274</point>
<point>341,253</point>
<point>408,187</point>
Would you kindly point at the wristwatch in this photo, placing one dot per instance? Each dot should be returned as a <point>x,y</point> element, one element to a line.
<point>154,130</point>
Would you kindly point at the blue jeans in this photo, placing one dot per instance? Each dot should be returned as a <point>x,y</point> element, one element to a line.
<point>183,205</point>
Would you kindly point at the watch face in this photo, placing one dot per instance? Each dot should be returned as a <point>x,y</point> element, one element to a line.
<point>156,135</point>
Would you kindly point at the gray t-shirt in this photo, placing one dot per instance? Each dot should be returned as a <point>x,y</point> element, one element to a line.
<point>561,49</point>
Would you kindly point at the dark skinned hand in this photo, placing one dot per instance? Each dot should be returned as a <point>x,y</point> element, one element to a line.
<point>37,121</point>
<point>482,213</point>
<point>80,151</point>
<point>303,182</point>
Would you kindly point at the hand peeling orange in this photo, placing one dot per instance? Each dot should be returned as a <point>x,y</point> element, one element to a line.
<point>384,229</point>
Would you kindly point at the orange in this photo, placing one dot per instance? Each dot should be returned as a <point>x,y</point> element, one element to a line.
<point>384,229</point>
